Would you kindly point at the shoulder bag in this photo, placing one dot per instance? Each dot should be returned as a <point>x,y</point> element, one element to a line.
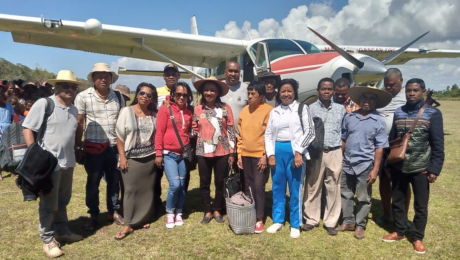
<point>398,146</point>
<point>187,152</point>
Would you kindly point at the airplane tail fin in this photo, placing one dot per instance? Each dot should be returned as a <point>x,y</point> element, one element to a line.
<point>194,26</point>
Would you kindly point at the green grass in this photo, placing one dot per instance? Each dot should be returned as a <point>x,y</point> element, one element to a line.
<point>19,226</point>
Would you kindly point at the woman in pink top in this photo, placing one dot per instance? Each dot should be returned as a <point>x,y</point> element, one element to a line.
<point>214,125</point>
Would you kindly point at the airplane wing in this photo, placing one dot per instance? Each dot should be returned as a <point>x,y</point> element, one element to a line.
<point>187,49</point>
<point>155,73</point>
<point>381,52</point>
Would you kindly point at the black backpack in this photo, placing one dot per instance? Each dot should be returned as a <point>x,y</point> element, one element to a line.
<point>13,146</point>
<point>315,148</point>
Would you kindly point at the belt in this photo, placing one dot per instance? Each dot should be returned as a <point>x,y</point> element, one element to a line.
<point>330,149</point>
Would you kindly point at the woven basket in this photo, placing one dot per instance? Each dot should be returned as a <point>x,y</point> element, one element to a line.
<point>242,219</point>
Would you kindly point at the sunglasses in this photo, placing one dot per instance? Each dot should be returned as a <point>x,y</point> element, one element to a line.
<point>143,93</point>
<point>69,86</point>
<point>179,95</point>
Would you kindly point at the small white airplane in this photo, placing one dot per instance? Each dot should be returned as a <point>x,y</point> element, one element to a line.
<point>288,58</point>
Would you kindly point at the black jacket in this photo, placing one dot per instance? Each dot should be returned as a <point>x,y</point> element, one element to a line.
<point>425,151</point>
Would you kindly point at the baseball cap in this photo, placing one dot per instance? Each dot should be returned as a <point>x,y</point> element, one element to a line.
<point>170,66</point>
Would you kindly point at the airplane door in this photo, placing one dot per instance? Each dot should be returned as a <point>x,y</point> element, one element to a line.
<point>262,62</point>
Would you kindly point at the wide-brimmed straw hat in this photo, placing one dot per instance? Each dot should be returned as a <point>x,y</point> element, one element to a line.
<point>223,86</point>
<point>383,96</point>
<point>65,76</point>
<point>102,67</point>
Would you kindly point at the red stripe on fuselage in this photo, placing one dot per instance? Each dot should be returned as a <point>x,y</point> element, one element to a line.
<point>303,61</point>
<point>292,70</point>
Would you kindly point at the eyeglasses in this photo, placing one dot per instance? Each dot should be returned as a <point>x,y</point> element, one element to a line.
<point>178,95</point>
<point>143,93</point>
<point>67,86</point>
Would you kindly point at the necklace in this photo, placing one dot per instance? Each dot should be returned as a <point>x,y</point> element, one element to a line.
<point>101,96</point>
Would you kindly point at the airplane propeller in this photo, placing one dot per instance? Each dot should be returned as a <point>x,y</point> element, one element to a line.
<point>344,54</point>
<point>369,70</point>
<point>395,54</point>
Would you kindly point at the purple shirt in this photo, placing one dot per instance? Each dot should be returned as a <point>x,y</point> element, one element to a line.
<point>362,135</point>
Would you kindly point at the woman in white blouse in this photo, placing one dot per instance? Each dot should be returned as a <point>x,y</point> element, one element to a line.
<point>287,137</point>
<point>135,129</point>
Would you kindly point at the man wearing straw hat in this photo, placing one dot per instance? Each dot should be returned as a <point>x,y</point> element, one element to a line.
<point>99,106</point>
<point>59,138</point>
<point>363,139</point>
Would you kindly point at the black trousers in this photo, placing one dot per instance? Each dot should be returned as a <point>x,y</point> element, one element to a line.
<point>421,189</point>
<point>255,180</point>
<point>206,165</point>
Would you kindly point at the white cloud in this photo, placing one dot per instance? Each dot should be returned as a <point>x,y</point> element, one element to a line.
<point>375,23</point>
<point>361,22</point>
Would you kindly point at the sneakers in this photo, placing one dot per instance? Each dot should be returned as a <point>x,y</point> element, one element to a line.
<point>52,249</point>
<point>70,238</point>
<point>179,221</point>
<point>259,227</point>
<point>170,221</point>
<point>275,228</point>
<point>295,232</point>
<point>393,237</point>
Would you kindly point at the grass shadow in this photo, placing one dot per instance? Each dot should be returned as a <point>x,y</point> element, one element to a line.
<point>77,225</point>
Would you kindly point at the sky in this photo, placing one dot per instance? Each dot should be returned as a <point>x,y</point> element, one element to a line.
<point>354,22</point>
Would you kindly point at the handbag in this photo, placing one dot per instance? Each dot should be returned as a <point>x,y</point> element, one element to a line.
<point>188,153</point>
<point>398,146</point>
<point>232,182</point>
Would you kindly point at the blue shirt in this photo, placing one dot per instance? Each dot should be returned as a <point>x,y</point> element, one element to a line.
<point>332,118</point>
<point>5,117</point>
<point>362,135</point>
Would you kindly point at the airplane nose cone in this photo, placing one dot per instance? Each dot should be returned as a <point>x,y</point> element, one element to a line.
<point>372,71</point>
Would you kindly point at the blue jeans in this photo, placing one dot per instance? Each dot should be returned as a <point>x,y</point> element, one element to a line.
<point>96,166</point>
<point>350,185</point>
<point>175,171</point>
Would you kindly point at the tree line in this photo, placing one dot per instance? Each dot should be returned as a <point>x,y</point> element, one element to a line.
<point>10,71</point>
<point>449,92</point>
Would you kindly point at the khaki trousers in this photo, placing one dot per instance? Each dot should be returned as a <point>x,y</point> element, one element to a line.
<point>326,169</point>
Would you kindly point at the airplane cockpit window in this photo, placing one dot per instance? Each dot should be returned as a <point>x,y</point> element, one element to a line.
<point>308,47</point>
<point>278,48</point>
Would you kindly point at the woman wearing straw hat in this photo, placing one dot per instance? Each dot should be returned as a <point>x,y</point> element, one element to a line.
<point>214,125</point>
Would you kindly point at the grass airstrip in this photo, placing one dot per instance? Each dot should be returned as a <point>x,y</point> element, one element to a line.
<point>19,226</point>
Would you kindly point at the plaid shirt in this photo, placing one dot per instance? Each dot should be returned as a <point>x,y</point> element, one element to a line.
<point>101,115</point>
<point>332,118</point>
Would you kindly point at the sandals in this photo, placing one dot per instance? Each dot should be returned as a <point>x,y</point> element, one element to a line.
<point>91,224</point>
<point>117,219</point>
<point>122,235</point>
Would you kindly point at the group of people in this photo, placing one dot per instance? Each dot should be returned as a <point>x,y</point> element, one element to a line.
<point>256,128</point>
